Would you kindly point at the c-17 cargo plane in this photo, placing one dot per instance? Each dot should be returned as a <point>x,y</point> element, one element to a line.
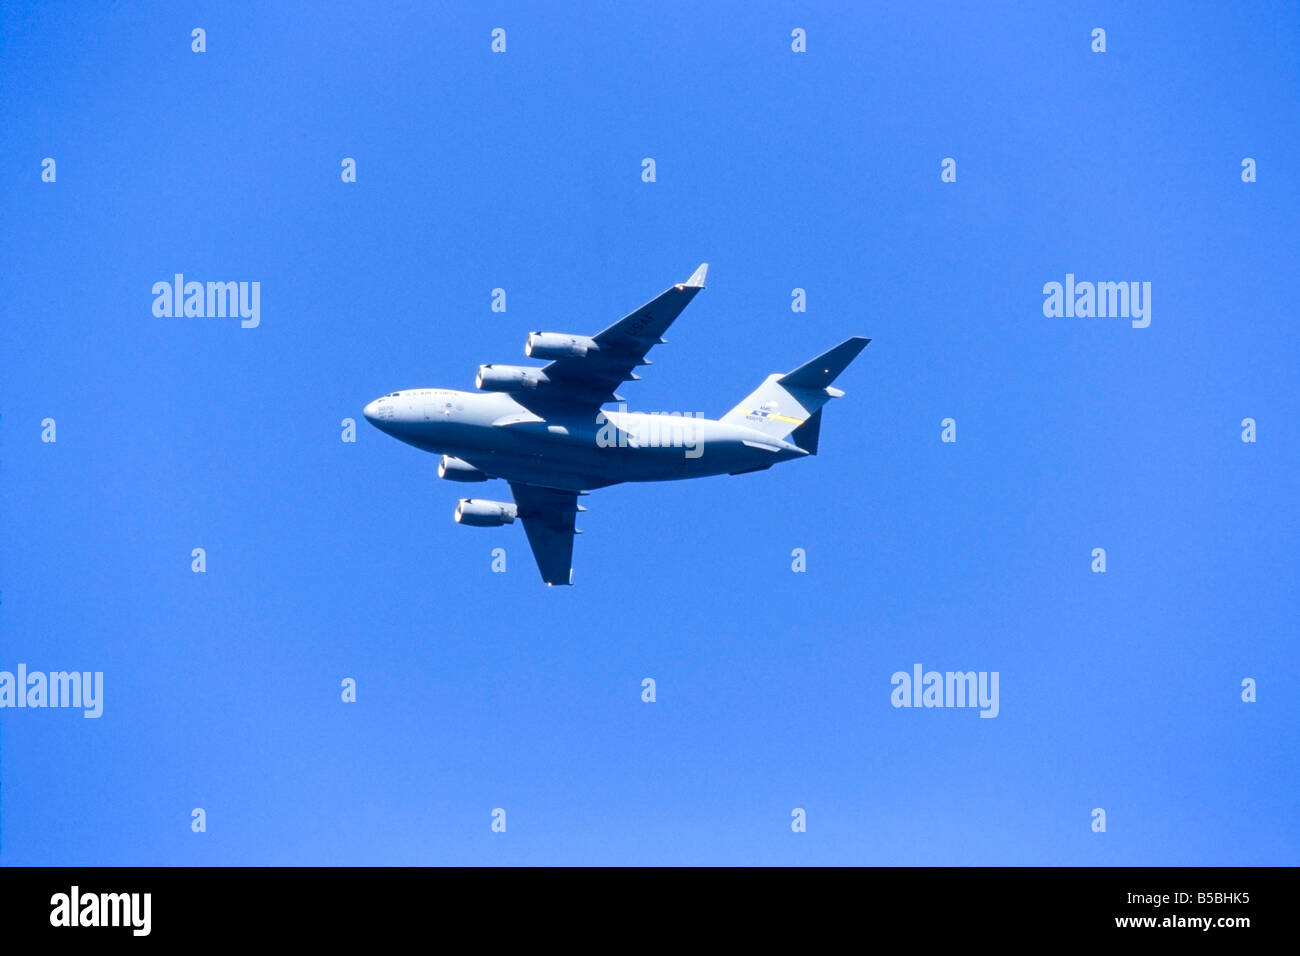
<point>543,429</point>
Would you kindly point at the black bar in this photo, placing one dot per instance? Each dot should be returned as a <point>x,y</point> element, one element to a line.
<point>372,904</point>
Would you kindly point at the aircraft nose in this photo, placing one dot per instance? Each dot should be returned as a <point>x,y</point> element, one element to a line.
<point>371,411</point>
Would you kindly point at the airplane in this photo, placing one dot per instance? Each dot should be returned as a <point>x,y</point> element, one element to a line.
<point>544,430</point>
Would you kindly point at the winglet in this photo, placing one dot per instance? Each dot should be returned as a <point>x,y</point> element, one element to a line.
<point>696,281</point>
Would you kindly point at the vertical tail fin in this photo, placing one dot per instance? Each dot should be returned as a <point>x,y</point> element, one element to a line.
<point>807,435</point>
<point>792,402</point>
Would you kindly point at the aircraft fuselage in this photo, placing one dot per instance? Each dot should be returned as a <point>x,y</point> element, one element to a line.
<point>555,446</point>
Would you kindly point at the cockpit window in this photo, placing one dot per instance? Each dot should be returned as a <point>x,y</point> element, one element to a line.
<point>395,395</point>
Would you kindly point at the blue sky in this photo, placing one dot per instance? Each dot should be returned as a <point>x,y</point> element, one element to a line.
<point>522,170</point>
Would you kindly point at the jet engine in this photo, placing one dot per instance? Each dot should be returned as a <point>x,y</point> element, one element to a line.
<point>557,345</point>
<point>482,513</point>
<point>508,378</point>
<point>456,469</point>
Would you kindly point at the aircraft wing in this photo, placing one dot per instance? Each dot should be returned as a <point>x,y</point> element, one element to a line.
<point>548,516</point>
<point>623,346</point>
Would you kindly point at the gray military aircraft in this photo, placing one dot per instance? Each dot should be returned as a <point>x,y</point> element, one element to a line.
<point>543,429</point>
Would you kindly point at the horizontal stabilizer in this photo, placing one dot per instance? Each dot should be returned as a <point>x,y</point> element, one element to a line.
<point>821,371</point>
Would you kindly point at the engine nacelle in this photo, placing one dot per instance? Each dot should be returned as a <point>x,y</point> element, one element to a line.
<point>482,513</point>
<point>508,378</point>
<point>557,345</point>
<point>456,469</point>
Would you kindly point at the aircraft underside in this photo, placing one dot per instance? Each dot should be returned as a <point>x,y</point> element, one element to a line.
<point>545,430</point>
<point>585,468</point>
